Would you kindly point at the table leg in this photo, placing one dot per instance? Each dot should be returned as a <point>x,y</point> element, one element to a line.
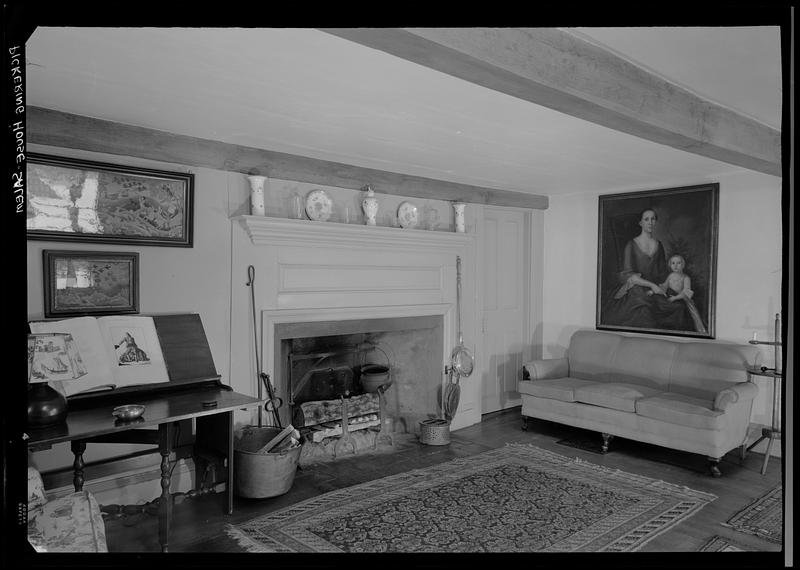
<point>774,433</point>
<point>165,435</point>
<point>229,459</point>
<point>766,455</point>
<point>78,447</point>
<point>763,436</point>
<point>215,433</point>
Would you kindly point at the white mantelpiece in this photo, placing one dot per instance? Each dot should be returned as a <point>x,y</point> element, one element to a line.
<point>265,230</point>
<point>309,271</point>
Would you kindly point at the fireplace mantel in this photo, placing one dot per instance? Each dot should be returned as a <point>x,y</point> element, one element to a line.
<point>318,272</point>
<point>264,230</point>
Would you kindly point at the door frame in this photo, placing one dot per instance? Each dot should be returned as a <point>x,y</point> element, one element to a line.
<point>533,239</point>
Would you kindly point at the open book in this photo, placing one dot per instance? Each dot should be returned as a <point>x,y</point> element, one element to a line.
<point>116,351</point>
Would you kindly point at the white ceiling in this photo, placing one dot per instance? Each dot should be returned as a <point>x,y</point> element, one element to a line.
<point>306,92</point>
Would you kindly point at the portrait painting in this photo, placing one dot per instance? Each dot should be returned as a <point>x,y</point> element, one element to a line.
<point>657,252</point>
<point>76,200</point>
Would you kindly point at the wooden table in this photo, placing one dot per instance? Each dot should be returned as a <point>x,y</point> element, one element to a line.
<point>774,431</point>
<point>93,423</point>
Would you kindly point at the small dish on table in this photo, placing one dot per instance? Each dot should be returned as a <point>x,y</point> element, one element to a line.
<point>128,412</point>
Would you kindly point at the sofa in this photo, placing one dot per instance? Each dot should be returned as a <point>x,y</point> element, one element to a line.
<point>686,395</point>
<point>72,523</point>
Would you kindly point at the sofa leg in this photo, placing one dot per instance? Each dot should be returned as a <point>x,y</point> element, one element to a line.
<point>607,437</point>
<point>713,466</point>
<point>524,423</point>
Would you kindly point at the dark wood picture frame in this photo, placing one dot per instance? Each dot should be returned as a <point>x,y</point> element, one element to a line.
<point>685,224</point>
<point>87,201</point>
<point>88,283</point>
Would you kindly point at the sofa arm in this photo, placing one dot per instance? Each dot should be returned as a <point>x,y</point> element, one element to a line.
<point>741,392</point>
<point>544,369</point>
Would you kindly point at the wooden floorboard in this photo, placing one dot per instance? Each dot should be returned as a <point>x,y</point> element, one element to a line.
<point>199,523</point>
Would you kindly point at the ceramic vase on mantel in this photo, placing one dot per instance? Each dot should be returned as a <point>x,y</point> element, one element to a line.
<point>370,206</point>
<point>257,195</point>
<point>458,208</point>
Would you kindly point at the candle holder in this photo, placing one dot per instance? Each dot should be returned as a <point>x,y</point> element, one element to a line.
<point>772,432</point>
<point>776,343</point>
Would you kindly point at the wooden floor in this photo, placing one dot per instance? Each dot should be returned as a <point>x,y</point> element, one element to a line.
<point>199,523</point>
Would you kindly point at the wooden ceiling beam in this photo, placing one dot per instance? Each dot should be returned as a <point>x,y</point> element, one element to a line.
<point>56,128</point>
<point>555,69</point>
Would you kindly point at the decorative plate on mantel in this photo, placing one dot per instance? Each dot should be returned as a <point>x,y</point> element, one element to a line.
<point>319,206</point>
<point>407,215</point>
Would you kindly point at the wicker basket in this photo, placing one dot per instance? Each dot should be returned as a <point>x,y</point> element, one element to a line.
<point>262,475</point>
<point>434,432</point>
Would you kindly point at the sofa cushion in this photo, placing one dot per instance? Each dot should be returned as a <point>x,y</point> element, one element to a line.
<point>69,524</point>
<point>702,369</point>
<point>680,409</point>
<point>556,389</point>
<point>590,354</point>
<point>644,361</point>
<point>614,395</point>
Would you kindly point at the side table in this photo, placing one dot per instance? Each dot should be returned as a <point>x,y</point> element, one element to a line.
<point>773,432</point>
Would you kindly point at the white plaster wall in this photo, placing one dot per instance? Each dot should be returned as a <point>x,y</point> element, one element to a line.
<point>748,266</point>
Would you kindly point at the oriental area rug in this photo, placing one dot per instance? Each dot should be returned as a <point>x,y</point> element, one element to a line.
<point>723,544</point>
<point>763,517</point>
<point>517,498</point>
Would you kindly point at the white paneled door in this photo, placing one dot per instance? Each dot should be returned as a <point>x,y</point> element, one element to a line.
<point>506,304</point>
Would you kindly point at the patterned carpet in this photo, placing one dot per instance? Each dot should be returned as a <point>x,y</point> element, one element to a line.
<point>763,517</point>
<point>518,498</point>
<point>723,544</point>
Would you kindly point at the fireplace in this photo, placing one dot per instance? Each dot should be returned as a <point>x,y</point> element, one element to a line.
<point>364,295</point>
<point>323,361</point>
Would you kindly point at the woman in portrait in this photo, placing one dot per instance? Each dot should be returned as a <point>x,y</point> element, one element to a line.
<point>639,301</point>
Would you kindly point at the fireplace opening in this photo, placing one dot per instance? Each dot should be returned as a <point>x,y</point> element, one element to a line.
<point>330,367</point>
<point>318,364</point>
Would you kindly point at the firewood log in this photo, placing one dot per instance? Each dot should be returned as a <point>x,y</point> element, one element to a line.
<point>322,411</point>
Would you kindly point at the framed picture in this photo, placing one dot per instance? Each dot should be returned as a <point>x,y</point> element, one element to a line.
<point>78,200</point>
<point>82,283</point>
<point>656,261</point>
